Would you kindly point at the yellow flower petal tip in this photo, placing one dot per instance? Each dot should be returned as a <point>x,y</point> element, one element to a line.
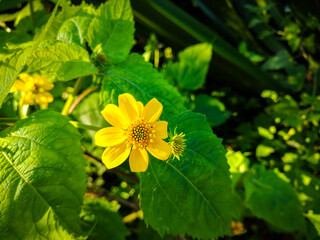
<point>237,227</point>
<point>34,89</point>
<point>135,131</point>
<point>177,143</point>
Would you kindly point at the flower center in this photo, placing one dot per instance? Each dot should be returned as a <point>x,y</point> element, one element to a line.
<point>139,134</point>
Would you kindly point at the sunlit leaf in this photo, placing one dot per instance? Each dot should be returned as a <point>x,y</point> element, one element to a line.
<point>137,77</point>
<point>191,69</point>
<point>42,178</point>
<point>192,196</point>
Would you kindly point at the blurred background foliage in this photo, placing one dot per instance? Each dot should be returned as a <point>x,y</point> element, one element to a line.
<point>252,67</point>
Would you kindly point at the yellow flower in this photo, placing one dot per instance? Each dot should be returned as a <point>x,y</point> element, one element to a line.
<point>34,89</point>
<point>177,143</point>
<point>237,227</point>
<point>135,130</point>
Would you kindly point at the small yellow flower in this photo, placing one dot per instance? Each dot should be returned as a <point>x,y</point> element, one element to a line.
<point>237,227</point>
<point>177,143</point>
<point>135,130</point>
<point>34,89</point>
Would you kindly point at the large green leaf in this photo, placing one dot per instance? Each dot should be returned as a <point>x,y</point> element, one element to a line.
<point>191,69</point>
<point>111,30</point>
<point>108,222</point>
<point>274,200</point>
<point>42,178</point>
<point>139,78</point>
<point>61,61</point>
<point>192,196</point>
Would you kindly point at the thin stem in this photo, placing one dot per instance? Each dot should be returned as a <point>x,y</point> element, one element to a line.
<point>8,120</point>
<point>81,96</point>
<point>76,89</point>
<point>32,14</point>
<point>156,58</point>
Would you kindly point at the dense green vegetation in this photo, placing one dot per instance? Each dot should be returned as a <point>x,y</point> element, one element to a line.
<point>239,80</point>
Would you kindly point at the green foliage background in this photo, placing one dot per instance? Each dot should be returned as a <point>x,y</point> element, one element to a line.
<point>240,80</point>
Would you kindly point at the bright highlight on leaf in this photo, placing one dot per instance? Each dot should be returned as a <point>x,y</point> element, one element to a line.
<point>177,143</point>
<point>34,89</point>
<point>135,130</point>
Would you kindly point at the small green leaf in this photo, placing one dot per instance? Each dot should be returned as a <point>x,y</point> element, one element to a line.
<point>107,221</point>
<point>274,200</point>
<point>263,132</point>
<point>315,219</point>
<point>112,29</point>
<point>214,109</point>
<point>139,78</point>
<point>191,69</point>
<point>264,151</point>
<point>281,60</point>
<point>192,195</point>
<point>42,178</point>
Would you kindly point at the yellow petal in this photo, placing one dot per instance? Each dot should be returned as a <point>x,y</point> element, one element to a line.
<point>140,107</point>
<point>159,149</point>
<point>114,156</point>
<point>152,110</point>
<point>110,136</point>
<point>138,160</point>
<point>128,106</point>
<point>27,98</point>
<point>114,116</point>
<point>42,82</point>
<point>18,86</point>
<point>25,77</point>
<point>43,98</point>
<point>160,129</point>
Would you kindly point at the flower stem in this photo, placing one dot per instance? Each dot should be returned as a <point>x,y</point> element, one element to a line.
<point>76,89</point>
<point>81,96</point>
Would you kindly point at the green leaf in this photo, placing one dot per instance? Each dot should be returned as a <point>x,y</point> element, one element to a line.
<point>60,61</point>
<point>264,151</point>
<point>191,196</point>
<point>315,219</point>
<point>108,222</point>
<point>75,29</point>
<point>139,78</point>
<point>214,110</point>
<point>42,178</point>
<point>66,13</point>
<point>112,30</point>
<point>10,67</point>
<point>263,132</point>
<point>191,69</point>
<point>281,60</point>
<point>274,200</point>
